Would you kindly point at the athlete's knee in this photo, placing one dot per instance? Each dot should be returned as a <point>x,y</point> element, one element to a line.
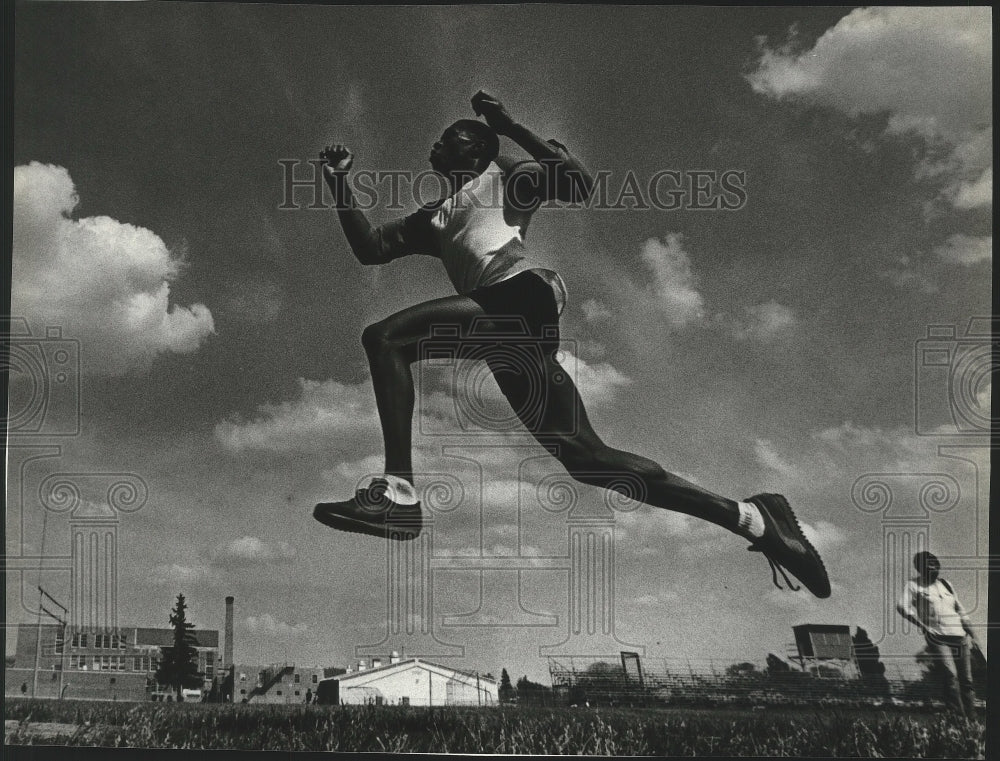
<point>375,338</point>
<point>602,465</point>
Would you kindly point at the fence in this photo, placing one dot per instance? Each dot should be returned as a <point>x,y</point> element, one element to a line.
<point>578,681</point>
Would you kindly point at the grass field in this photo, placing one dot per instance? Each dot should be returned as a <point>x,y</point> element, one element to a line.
<point>508,729</point>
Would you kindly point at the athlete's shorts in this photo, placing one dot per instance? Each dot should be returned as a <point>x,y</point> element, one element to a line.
<point>517,338</point>
<point>528,297</point>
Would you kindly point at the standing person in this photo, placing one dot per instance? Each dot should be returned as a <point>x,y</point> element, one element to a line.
<point>309,695</point>
<point>930,603</point>
<point>481,245</point>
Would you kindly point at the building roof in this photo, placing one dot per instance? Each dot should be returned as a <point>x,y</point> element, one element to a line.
<point>148,636</point>
<point>165,637</point>
<point>408,661</point>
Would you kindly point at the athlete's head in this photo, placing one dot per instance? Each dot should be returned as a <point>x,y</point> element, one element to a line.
<point>466,146</point>
<point>927,565</point>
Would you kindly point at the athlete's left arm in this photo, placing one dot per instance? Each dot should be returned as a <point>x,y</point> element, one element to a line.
<point>560,174</point>
<point>966,624</point>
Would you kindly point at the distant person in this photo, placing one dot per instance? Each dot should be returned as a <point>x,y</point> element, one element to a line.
<point>309,696</point>
<point>24,688</point>
<point>930,603</point>
<point>481,244</point>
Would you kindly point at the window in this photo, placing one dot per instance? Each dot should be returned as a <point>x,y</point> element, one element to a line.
<point>79,640</point>
<point>279,692</point>
<point>60,642</point>
<point>297,693</point>
<point>315,679</point>
<point>209,670</point>
<point>99,641</point>
<point>243,692</point>
<point>404,700</point>
<point>296,679</point>
<point>243,677</point>
<point>113,680</point>
<point>54,676</point>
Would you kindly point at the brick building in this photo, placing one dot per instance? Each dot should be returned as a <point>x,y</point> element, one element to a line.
<point>99,664</point>
<point>275,683</point>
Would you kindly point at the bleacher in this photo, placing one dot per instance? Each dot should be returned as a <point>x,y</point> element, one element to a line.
<point>708,683</point>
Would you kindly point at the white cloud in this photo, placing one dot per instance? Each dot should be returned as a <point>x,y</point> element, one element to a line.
<point>965,249</point>
<point>174,573</point>
<point>861,449</point>
<point>904,274</point>
<point>824,536</point>
<point>355,471</point>
<point>249,550</point>
<point>594,310</point>
<point>326,417</point>
<point>768,456</point>
<point>503,492</point>
<point>654,601</point>
<point>765,322</point>
<point>106,283</point>
<point>674,284</point>
<point>975,193</point>
<point>590,349</point>
<point>673,288</point>
<point>598,383</point>
<point>267,624</point>
<point>928,68</point>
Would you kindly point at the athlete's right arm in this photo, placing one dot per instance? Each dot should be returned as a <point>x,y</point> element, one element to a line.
<point>366,242</point>
<point>905,608</point>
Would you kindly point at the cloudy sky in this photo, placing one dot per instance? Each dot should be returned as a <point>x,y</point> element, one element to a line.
<point>770,348</point>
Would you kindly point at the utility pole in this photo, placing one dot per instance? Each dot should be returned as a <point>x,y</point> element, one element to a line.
<point>38,638</point>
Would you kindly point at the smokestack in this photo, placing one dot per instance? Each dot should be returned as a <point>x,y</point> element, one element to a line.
<point>227,652</point>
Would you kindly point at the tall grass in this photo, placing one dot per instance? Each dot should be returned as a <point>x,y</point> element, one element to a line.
<point>508,729</point>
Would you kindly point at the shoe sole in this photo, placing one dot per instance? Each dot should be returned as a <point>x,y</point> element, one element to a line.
<point>788,527</point>
<point>399,532</point>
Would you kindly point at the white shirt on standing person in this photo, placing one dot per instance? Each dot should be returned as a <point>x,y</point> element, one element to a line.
<point>936,607</point>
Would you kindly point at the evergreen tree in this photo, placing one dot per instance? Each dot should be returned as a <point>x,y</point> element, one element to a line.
<point>531,692</point>
<point>776,665</point>
<point>506,691</point>
<point>179,664</point>
<point>866,654</point>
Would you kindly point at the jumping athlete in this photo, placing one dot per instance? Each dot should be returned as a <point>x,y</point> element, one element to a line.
<point>481,245</point>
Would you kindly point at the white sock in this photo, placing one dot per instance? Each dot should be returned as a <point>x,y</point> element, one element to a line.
<point>751,523</point>
<point>401,491</point>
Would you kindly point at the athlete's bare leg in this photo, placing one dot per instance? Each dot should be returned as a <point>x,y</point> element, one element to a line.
<point>561,424</point>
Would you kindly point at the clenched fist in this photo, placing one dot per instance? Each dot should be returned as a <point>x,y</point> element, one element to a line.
<point>338,159</point>
<point>492,110</point>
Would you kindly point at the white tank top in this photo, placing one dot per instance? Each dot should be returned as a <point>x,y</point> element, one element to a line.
<point>477,245</point>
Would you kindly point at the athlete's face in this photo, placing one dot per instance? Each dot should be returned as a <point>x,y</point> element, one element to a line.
<point>929,571</point>
<point>454,150</point>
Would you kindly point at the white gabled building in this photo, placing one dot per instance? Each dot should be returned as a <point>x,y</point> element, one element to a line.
<point>410,682</point>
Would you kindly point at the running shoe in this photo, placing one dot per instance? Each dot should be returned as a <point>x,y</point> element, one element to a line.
<point>371,511</point>
<point>786,547</point>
